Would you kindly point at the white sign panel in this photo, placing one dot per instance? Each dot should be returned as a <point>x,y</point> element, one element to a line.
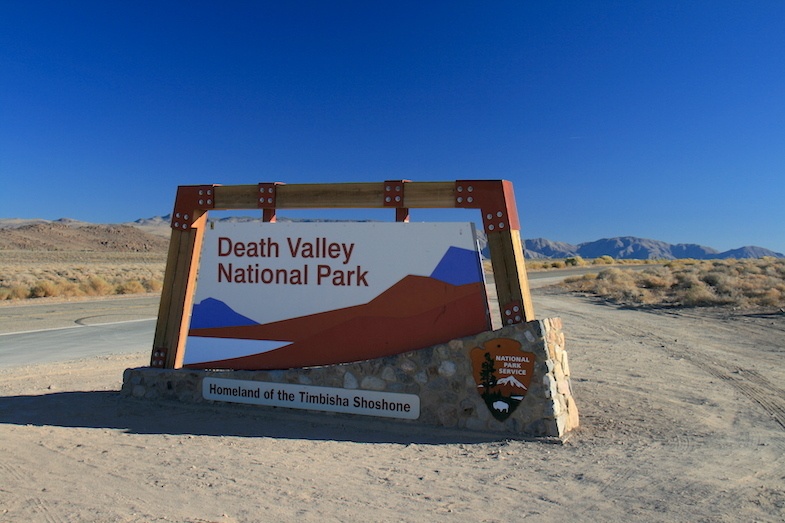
<point>328,399</point>
<point>325,293</point>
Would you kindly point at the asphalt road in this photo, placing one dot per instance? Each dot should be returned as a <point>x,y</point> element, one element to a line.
<point>48,331</point>
<point>39,331</point>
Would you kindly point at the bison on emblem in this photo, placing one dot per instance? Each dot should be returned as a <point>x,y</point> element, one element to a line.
<point>501,406</point>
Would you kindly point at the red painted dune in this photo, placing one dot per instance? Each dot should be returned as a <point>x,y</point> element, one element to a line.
<point>417,312</point>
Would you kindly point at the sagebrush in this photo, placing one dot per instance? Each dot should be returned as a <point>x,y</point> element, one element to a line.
<point>78,274</point>
<point>744,283</point>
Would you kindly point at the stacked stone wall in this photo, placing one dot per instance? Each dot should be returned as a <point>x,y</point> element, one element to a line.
<point>441,376</point>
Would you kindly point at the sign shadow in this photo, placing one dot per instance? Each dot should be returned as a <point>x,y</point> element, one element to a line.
<point>111,410</point>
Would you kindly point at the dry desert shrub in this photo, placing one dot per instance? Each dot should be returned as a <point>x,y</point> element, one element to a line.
<point>604,260</point>
<point>657,278</point>
<point>691,283</point>
<point>578,261</point>
<point>97,286</point>
<point>621,286</point>
<point>26,274</point>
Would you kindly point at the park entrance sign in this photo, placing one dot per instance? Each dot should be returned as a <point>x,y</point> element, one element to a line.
<point>280,268</point>
<point>386,319</point>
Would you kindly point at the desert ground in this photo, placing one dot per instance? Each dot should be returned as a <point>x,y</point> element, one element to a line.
<point>682,419</point>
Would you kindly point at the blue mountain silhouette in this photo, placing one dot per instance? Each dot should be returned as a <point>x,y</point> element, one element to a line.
<point>211,313</point>
<point>458,267</point>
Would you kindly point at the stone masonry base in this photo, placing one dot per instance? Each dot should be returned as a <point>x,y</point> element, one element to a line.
<point>440,375</point>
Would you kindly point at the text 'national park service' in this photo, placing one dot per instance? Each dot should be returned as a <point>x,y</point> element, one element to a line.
<point>306,272</point>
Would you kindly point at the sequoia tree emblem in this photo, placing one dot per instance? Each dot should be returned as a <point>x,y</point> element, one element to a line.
<point>503,373</point>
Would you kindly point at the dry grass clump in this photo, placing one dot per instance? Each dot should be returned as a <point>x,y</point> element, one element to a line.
<point>78,274</point>
<point>744,283</point>
<point>578,261</point>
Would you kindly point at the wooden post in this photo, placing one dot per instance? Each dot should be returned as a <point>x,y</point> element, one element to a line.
<point>509,273</point>
<point>177,294</point>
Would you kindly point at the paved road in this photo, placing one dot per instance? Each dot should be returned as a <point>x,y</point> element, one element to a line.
<point>44,314</point>
<point>73,343</point>
<point>49,331</point>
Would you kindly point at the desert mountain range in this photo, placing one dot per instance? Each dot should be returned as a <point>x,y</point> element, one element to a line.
<point>629,247</point>
<point>151,235</point>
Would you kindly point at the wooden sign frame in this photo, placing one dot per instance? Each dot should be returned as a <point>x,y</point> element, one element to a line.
<point>494,198</point>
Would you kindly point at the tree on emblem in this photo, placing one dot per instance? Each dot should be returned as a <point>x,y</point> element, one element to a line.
<point>487,377</point>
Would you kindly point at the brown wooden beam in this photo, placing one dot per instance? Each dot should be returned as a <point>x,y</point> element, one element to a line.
<point>422,195</point>
<point>177,294</point>
<point>509,272</point>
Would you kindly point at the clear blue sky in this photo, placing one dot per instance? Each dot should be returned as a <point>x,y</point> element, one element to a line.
<point>660,119</point>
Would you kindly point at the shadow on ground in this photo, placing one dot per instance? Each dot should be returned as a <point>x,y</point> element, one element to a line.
<point>111,410</point>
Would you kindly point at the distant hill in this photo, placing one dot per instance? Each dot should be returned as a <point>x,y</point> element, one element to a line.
<point>632,248</point>
<point>151,234</point>
<point>749,252</point>
<point>542,248</point>
<point>71,235</point>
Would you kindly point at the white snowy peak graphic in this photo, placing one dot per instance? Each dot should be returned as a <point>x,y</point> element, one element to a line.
<point>510,380</point>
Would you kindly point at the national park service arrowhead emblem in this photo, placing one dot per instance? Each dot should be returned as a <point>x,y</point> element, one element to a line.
<point>503,374</point>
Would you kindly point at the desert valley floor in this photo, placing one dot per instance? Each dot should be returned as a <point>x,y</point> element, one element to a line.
<point>682,413</point>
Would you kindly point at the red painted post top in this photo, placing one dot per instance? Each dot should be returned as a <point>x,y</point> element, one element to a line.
<point>191,198</point>
<point>496,200</point>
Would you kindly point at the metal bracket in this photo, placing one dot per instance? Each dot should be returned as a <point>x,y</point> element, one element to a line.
<point>393,197</point>
<point>267,200</point>
<point>393,193</point>
<point>191,198</point>
<point>495,198</point>
<point>159,358</point>
<point>512,313</point>
<point>267,194</point>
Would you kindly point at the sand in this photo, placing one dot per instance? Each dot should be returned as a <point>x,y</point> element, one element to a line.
<point>683,419</point>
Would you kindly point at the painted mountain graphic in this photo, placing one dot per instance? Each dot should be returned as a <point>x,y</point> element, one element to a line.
<point>458,267</point>
<point>416,312</point>
<point>211,313</point>
<point>512,382</point>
